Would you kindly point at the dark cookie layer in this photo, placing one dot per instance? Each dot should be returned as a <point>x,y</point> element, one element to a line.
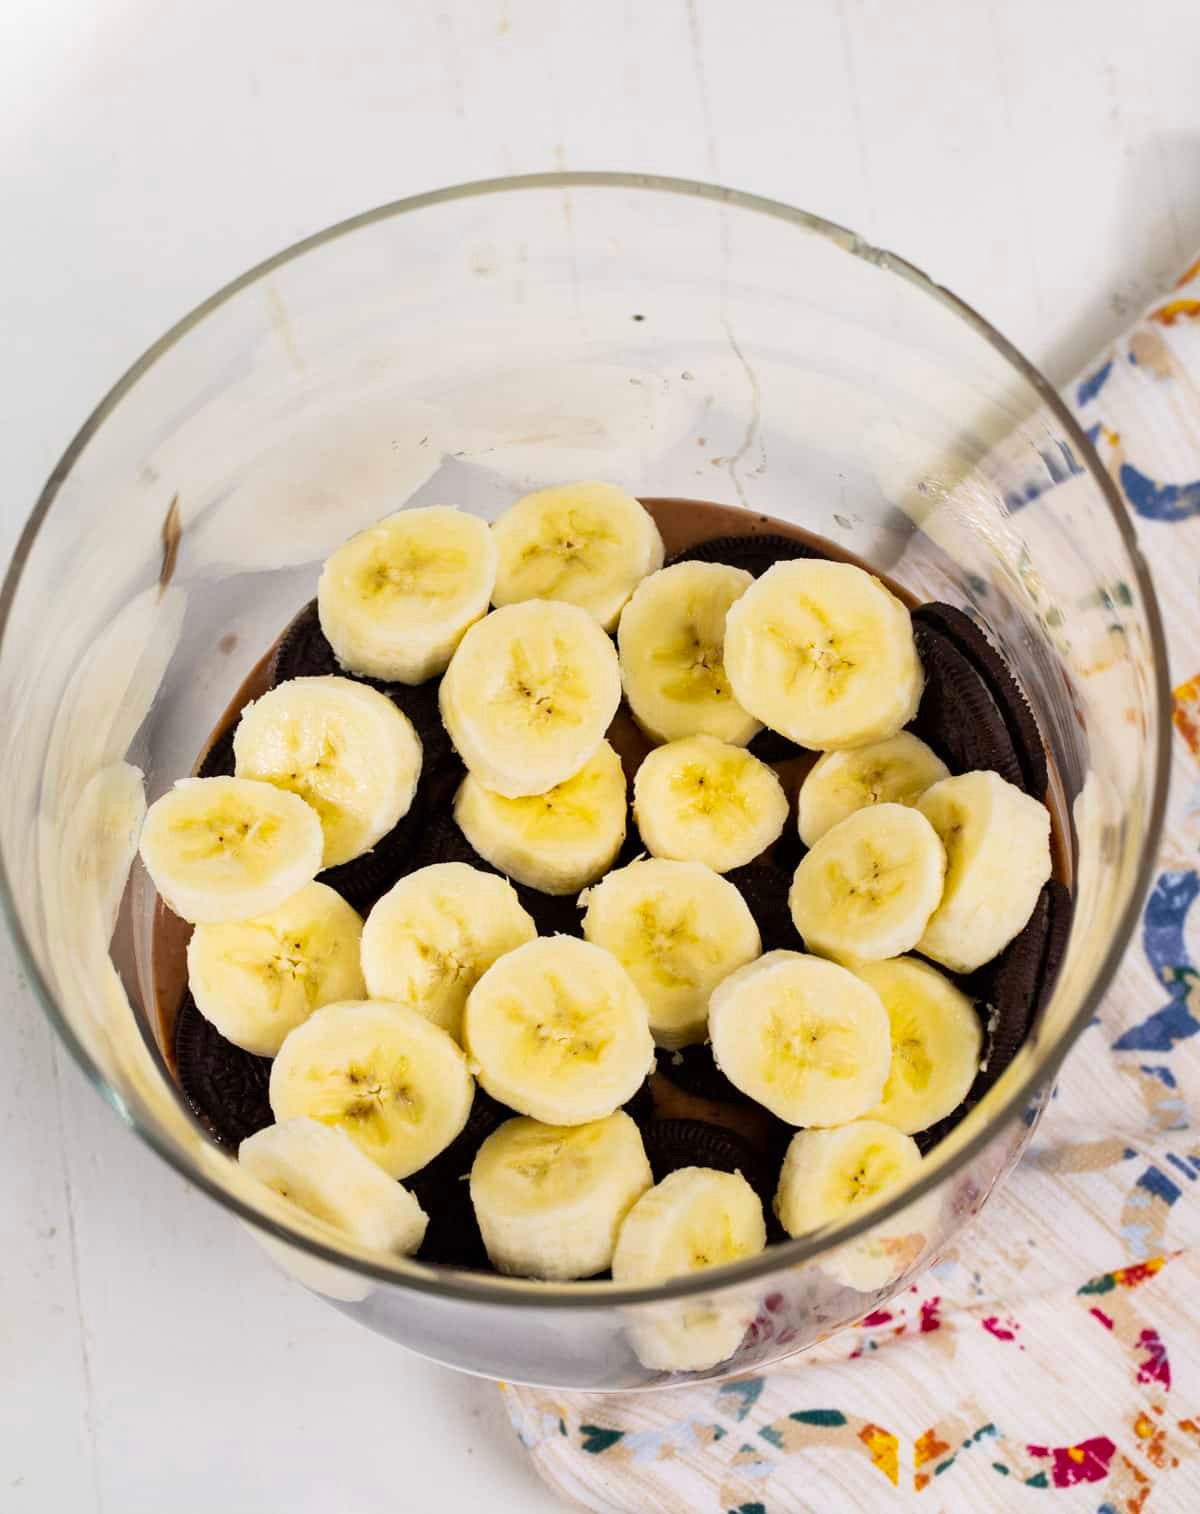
<point>442,841</point>
<point>693,1069</point>
<point>957,627</point>
<point>673,1144</point>
<point>217,762</point>
<point>452,1238</point>
<point>304,652</point>
<point>754,553</point>
<point>365,879</point>
<point>765,890</point>
<point>226,1086</point>
<point>957,715</point>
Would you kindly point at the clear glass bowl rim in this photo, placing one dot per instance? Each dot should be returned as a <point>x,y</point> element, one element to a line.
<point>518,1292</point>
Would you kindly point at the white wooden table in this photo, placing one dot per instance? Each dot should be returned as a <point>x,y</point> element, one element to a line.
<point>1040,156</point>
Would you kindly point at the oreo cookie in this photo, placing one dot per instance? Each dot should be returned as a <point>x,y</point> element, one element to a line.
<point>452,1237</point>
<point>957,715</point>
<point>955,628</point>
<point>640,1108</point>
<point>486,1115</point>
<point>1010,993</point>
<point>693,1069</point>
<point>769,746</point>
<point>225,1086</point>
<point>442,841</point>
<point>217,762</point>
<point>754,553</point>
<point>765,890</point>
<point>1015,987</point>
<point>364,880</point>
<point>672,1144</point>
<point>304,651</point>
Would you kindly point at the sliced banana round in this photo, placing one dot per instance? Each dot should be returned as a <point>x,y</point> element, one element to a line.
<point>671,642</point>
<point>529,694</point>
<point>558,1031</point>
<point>395,600</point>
<point>588,544</point>
<point>558,841</point>
<point>678,929</point>
<point>827,1172</point>
<point>229,848</point>
<point>430,938</point>
<point>866,890</point>
<point>256,980</point>
<point>695,1218</point>
<point>823,653</point>
<point>937,1041</point>
<point>323,1172</point>
<point>803,1037</point>
<point>703,800</point>
<point>550,1198</point>
<point>395,1083</point>
<point>997,842</point>
<point>343,747</point>
<point>895,771</point>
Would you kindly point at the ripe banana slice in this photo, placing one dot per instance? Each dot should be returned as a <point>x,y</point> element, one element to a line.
<point>937,1041</point>
<point>396,1084</point>
<point>558,841</point>
<point>550,1198</point>
<point>429,939</point>
<point>867,889</point>
<point>589,544</point>
<point>343,747</point>
<point>803,1037</point>
<point>529,694</point>
<point>827,1172</point>
<point>695,1218</point>
<point>678,929</point>
<point>671,642</point>
<point>703,800</point>
<point>997,842</point>
<point>323,1172</point>
<point>229,848</point>
<point>395,600</point>
<point>256,980</point>
<point>823,653</point>
<point>895,771</point>
<point>558,1031</point>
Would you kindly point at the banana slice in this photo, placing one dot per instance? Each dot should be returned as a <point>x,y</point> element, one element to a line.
<point>867,889</point>
<point>694,1218</point>
<point>827,1172</point>
<point>589,544</point>
<point>396,1084</point>
<point>529,694</point>
<point>550,1198</point>
<point>558,841</point>
<point>703,800</point>
<point>343,747</point>
<point>395,600</point>
<point>678,929</point>
<point>671,642</point>
<point>430,938</point>
<point>558,1031</point>
<point>895,771</point>
<point>997,842</point>
<point>803,1037</point>
<point>229,848</point>
<point>937,1041</point>
<point>256,980</point>
<point>324,1173</point>
<point>823,653</point>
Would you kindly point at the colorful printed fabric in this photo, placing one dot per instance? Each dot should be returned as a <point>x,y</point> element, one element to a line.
<point>1052,1361</point>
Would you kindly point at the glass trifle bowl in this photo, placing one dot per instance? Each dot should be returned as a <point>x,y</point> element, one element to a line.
<point>465,347</point>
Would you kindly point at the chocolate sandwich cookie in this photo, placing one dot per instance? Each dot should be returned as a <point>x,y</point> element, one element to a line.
<point>754,553</point>
<point>939,627</point>
<point>225,1086</point>
<point>765,890</point>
